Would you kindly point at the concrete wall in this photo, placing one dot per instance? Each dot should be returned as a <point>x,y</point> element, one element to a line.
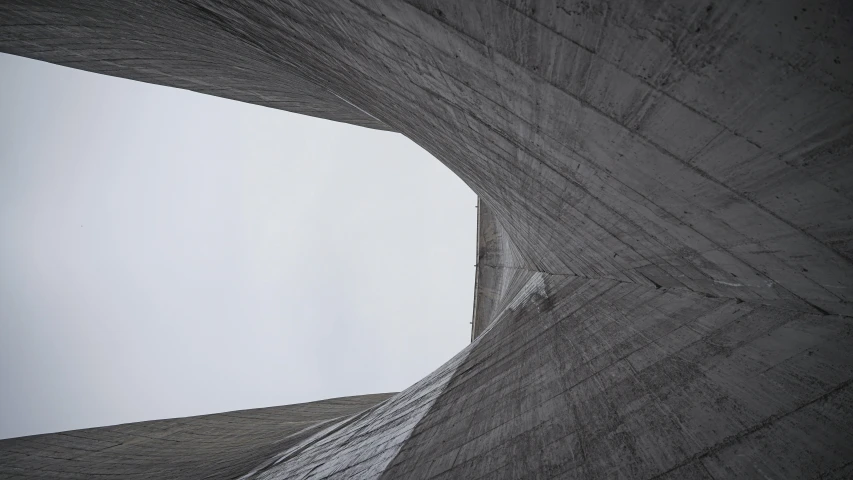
<point>665,267</point>
<point>225,445</point>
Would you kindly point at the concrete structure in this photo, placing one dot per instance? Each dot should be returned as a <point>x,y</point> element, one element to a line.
<point>665,260</point>
<point>224,445</point>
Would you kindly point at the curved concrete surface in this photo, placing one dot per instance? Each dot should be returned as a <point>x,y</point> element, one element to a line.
<point>224,445</point>
<point>665,251</point>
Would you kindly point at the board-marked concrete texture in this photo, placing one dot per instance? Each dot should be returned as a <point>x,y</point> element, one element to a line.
<point>666,231</point>
<point>224,445</point>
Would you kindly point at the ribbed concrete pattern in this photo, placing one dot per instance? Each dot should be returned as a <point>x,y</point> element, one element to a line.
<point>172,46</point>
<point>224,445</point>
<point>600,379</point>
<point>362,446</point>
<point>682,144</point>
<point>500,269</point>
<point>666,229</point>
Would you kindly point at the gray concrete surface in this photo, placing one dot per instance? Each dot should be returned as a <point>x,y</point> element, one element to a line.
<point>224,445</point>
<point>664,263</point>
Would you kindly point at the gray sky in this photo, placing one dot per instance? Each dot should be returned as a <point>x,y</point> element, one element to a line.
<point>165,253</point>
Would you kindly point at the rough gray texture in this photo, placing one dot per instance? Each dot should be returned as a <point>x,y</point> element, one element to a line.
<point>224,445</point>
<point>665,251</point>
<point>173,46</point>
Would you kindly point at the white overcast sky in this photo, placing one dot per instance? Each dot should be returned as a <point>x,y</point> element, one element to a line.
<point>165,253</point>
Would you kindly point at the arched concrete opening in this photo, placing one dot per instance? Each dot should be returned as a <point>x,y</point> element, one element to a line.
<point>665,269</point>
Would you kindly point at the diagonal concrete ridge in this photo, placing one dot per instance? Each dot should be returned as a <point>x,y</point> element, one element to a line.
<point>665,233</point>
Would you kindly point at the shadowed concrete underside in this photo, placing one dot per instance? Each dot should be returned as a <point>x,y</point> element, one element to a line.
<point>665,233</point>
